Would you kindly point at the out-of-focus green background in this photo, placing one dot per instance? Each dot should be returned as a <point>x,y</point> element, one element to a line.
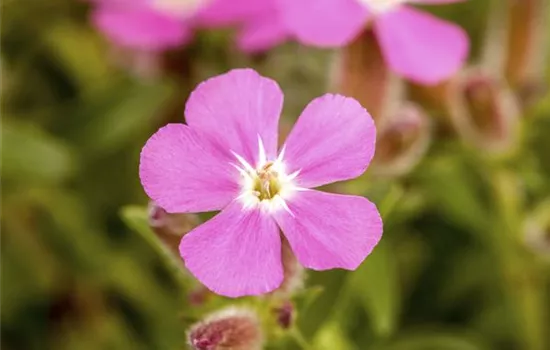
<point>82,270</point>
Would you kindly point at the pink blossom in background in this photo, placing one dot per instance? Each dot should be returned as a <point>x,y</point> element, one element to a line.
<point>226,158</point>
<point>159,25</point>
<point>140,25</point>
<point>415,44</point>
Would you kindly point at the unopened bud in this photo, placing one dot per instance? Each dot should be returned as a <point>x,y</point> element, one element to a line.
<point>537,230</point>
<point>144,65</point>
<point>402,140</point>
<point>229,329</point>
<point>483,110</point>
<point>516,46</point>
<point>360,71</point>
<point>170,227</point>
<point>293,272</point>
<point>527,42</point>
<point>285,314</point>
<point>199,295</point>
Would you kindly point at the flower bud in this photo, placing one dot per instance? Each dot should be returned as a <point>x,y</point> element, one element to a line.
<point>142,65</point>
<point>229,329</point>
<point>360,71</point>
<point>293,272</point>
<point>170,227</point>
<point>285,314</point>
<point>199,295</point>
<point>516,46</point>
<point>403,139</point>
<point>483,110</point>
<point>527,42</point>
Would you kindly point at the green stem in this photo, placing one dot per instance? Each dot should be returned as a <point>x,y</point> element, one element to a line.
<point>521,282</point>
<point>300,339</point>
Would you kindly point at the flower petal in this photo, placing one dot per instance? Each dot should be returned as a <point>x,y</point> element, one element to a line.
<point>328,230</point>
<point>183,172</point>
<point>324,23</point>
<point>420,46</point>
<point>265,32</point>
<point>234,109</point>
<point>333,140</point>
<point>236,253</point>
<point>219,13</point>
<point>140,28</point>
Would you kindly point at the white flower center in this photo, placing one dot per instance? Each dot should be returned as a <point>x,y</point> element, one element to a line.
<point>266,186</point>
<point>381,6</point>
<point>177,8</point>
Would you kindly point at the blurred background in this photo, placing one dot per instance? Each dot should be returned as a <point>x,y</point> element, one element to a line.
<point>461,176</point>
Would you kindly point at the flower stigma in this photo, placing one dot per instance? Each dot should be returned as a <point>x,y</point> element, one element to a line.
<point>266,186</point>
<point>382,6</point>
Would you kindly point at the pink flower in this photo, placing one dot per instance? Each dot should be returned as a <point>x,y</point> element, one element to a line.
<point>142,25</point>
<point>226,159</point>
<point>159,25</point>
<point>415,44</point>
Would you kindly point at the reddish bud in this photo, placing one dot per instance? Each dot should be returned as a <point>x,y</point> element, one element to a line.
<point>483,110</point>
<point>285,314</point>
<point>527,42</point>
<point>402,140</point>
<point>361,72</point>
<point>293,272</point>
<point>229,329</point>
<point>199,295</point>
<point>170,227</point>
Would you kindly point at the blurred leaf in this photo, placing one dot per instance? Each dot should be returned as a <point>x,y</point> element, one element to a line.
<point>323,307</point>
<point>30,154</point>
<point>375,284</point>
<point>451,189</point>
<point>127,112</point>
<point>458,284</point>
<point>80,52</point>
<point>137,218</point>
<point>332,337</point>
<point>304,298</point>
<point>434,341</point>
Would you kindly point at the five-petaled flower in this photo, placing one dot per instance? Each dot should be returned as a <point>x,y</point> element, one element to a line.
<point>415,44</point>
<point>226,158</point>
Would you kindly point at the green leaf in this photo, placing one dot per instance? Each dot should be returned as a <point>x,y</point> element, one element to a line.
<point>127,113</point>
<point>330,337</point>
<point>375,285</point>
<point>136,218</point>
<point>306,297</point>
<point>78,49</point>
<point>29,154</point>
<point>451,188</point>
<point>435,341</point>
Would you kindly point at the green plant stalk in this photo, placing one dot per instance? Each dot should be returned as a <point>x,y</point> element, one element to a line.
<point>521,281</point>
<point>300,339</point>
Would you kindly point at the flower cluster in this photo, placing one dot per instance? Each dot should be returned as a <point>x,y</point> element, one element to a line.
<point>415,44</point>
<point>159,25</point>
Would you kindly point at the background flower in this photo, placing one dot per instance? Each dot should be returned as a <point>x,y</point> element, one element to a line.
<point>160,25</point>
<point>415,44</point>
